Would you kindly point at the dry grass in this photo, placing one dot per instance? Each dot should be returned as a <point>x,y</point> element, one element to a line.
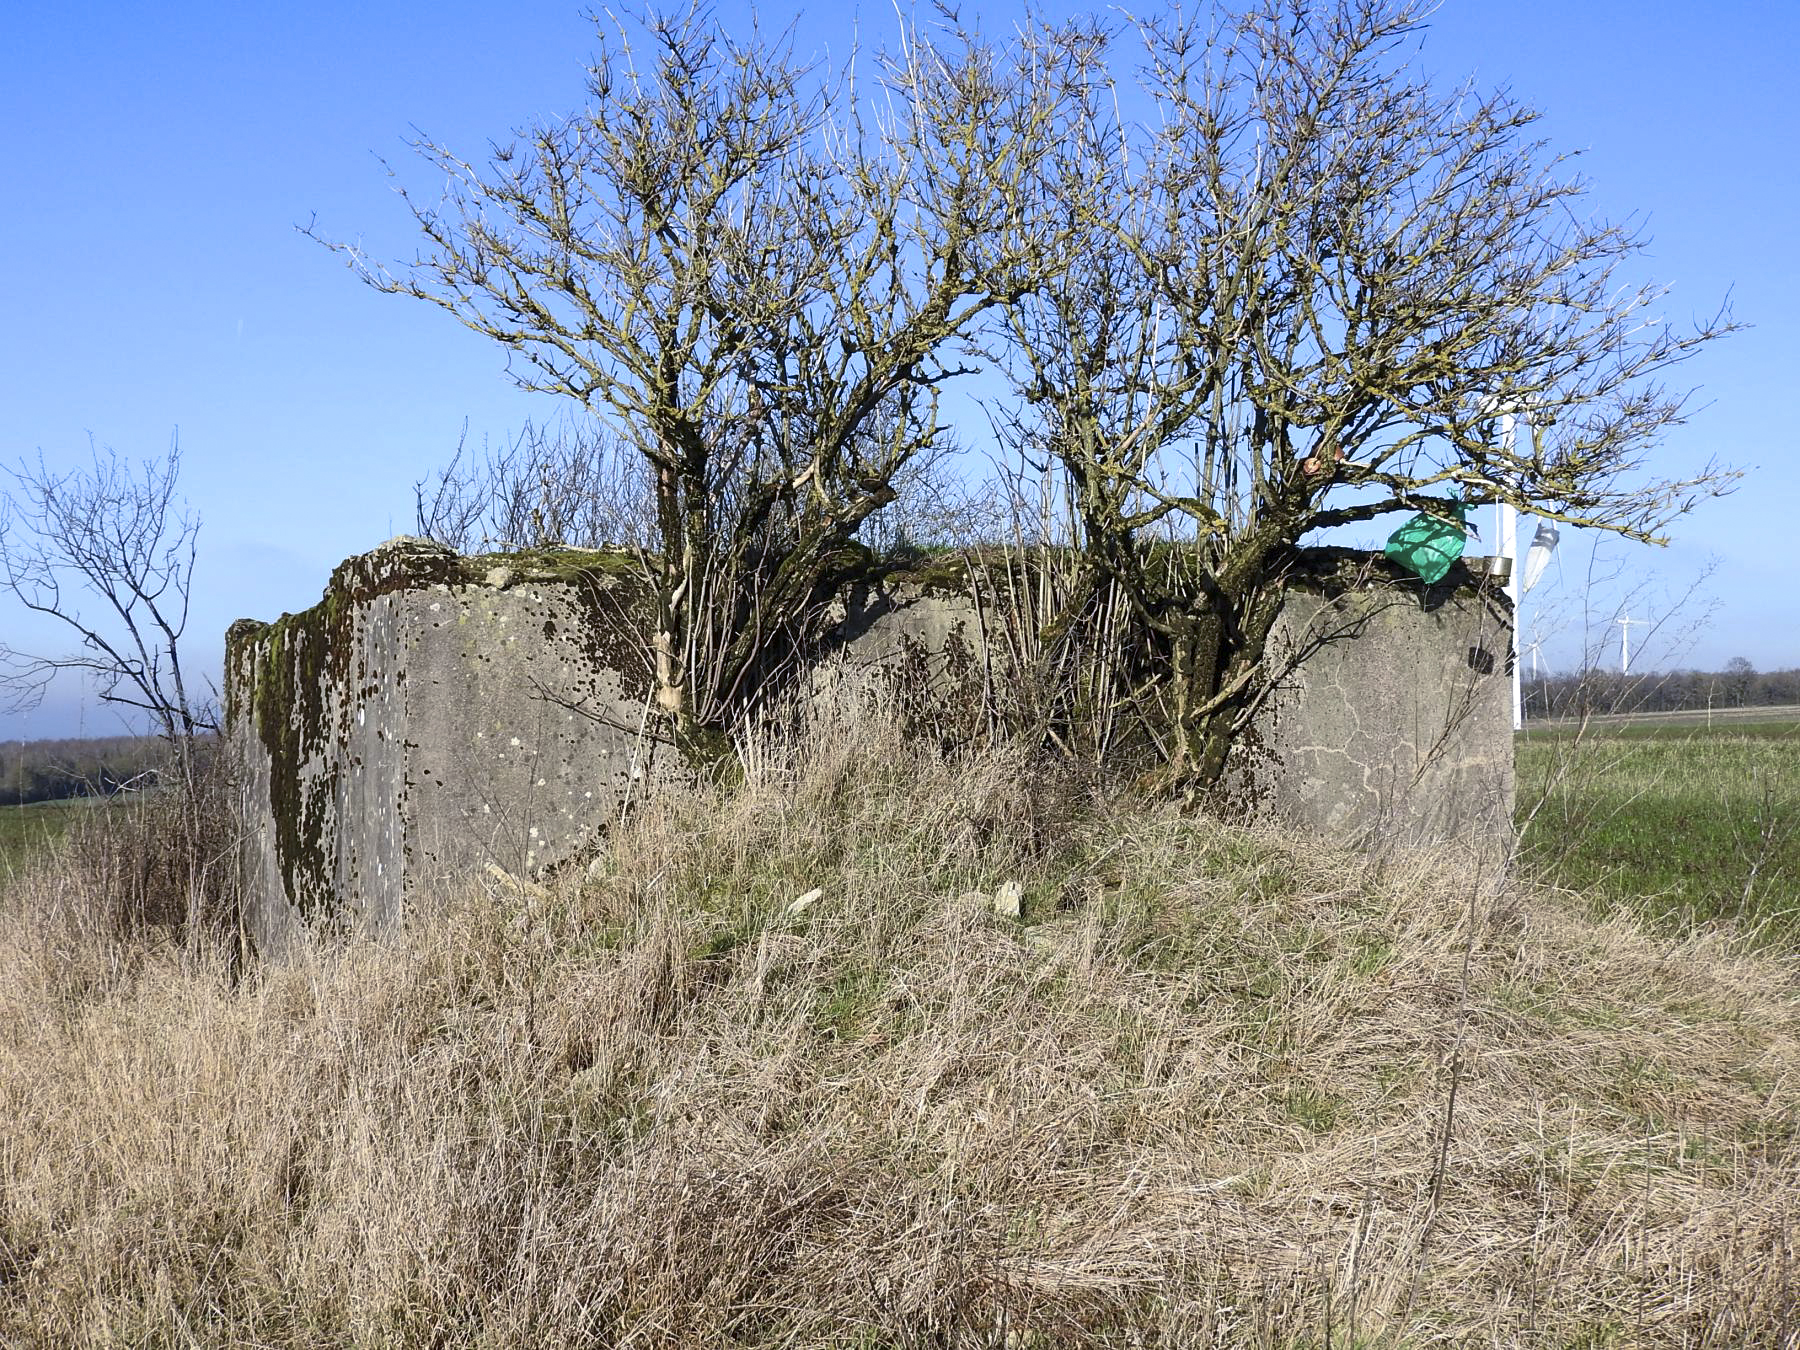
<point>1198,1096</point>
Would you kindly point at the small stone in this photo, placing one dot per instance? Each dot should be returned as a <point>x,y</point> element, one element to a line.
<point>499,577</point>
<point>1009,900</point>
<point>806,902</point>
<point>515,882</point>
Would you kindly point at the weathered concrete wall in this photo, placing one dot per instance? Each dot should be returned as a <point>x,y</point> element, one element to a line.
<point>1392,719</point>
<point>435,714</point>
<point>915,652</point>
<point>430,715</point>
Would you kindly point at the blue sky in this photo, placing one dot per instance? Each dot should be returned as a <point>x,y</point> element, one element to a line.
<point>158,160</point>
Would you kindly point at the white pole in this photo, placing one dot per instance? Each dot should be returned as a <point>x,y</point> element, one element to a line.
<point>1508,544</point>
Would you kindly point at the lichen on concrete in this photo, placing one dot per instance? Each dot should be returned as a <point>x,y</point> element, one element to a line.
<point>380,729</point>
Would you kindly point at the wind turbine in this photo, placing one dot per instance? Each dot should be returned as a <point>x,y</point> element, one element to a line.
<point>1625,621</point>
<point>1536,668</point>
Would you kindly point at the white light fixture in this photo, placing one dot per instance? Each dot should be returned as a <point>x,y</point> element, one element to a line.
<point>1537,557</point>
<point>1507,541</point>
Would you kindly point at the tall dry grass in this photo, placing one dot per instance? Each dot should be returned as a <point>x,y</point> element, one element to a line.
<point>1217,1087</point>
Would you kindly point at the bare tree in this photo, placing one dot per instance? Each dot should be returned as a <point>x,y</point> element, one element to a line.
<point>575,484</point>
<point>107,551</point>
<point>1306,289</point>
<point>569,485</point>
<point>759,273</point>
<point>1739,676</point>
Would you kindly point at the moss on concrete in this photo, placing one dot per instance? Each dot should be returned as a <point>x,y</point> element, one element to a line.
<point>240,654</point>
<point>289,701</point>
<point>289,671</point>
<point>547,564</point>
<point>1332,571</point>
<point>293,678</point>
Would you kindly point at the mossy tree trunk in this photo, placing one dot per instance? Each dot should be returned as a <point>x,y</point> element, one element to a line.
<point>1205,614</point>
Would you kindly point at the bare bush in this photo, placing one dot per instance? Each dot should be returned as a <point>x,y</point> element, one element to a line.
<point>145,866</point>
<point>571,486</point>
<point>761,273</point>
<point>575,485</point>
<point>1308,288</point>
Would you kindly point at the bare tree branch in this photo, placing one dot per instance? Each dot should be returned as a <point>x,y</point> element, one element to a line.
<point>108,552</point>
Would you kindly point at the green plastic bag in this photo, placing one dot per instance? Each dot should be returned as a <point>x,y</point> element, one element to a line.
<point>1427,546</point>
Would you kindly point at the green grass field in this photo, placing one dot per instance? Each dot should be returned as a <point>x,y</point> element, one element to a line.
<point>1682,726</point>
<point>1689,824</point>
<point>24,829</point>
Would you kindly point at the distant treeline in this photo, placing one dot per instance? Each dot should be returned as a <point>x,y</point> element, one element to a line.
<point>1739,685</point>
<point>41,771</point>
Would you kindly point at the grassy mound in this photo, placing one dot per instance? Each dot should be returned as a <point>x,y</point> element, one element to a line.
<point>1213,1087</point>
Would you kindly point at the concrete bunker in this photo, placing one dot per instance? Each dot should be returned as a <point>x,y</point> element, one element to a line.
<point>435,714</point>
